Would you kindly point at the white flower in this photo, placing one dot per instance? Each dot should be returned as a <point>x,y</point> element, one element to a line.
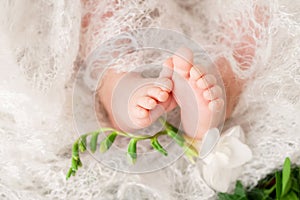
<point>223,165</point>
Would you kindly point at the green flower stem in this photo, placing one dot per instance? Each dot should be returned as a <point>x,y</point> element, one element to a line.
<point>129,135</point>
<point>81,144</point>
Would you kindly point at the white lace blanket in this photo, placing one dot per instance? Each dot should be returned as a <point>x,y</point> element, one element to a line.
<point>39,44</point>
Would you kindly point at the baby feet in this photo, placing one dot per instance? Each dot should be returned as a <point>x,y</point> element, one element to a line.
<point>197,94</point>
<point>137,102</point>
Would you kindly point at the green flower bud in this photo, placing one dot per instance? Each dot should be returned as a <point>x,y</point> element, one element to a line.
<point>74,164</point>
<point>93,143</point>
<point>70,172</point>
<point>107,142</point>
<point>75,153</point>
<point>156,145</point>
<point>131,150</point>
<point>82,143</point>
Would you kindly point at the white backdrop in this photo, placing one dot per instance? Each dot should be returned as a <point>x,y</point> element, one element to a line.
<point>39,42</point>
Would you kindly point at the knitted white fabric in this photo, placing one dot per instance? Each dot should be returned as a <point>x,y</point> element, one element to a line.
<point>39,44</point>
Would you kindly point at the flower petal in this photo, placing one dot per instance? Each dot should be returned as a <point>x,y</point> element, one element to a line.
<point>210,140</point>
<point>223,165</point>
<point>218,176</point>
<point>240,153</point>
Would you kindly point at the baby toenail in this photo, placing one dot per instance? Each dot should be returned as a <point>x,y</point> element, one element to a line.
<point>202,83</point>
<point>162,96</point>
<point>196,71</point>
<point>167,84</point>
<point>207,94</point>
<point>212,106</point>
<point>151,101</point>
<point>164,84</point>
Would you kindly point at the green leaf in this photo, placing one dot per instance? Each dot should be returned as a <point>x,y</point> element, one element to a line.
<point>225,196</point>
<point>290,196</point>
<point>239,193</point>
<point>107,142</point>
<point>298,177</point>
<point>82,143</point>
<point>286,179</point>
<point>93,143</point>
<point>239,189</point>
<point>295,185</point>
<point>296,180</point>
<point>156,145</point>
<point>288,188</point>
<point>278,184</point>
<point>265,190</point>
<point>256,194</point>
<point>131,150</point>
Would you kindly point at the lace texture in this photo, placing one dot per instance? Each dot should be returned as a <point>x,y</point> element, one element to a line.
<point>40,42</point>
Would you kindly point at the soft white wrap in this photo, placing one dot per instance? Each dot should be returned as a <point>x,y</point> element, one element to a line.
<point>39,43</point>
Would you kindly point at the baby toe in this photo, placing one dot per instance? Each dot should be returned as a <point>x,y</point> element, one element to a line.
<point>142,123</point>
<point>139,112</point>
<point>212,93</point>
<point>158,94</point>
<point>195,73</point>
<point>206,81</point>
<point>216,105</point>
<point>146,102</point>
<point>165,84</point>
<point>183,61</point>
<point>167,69</point>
